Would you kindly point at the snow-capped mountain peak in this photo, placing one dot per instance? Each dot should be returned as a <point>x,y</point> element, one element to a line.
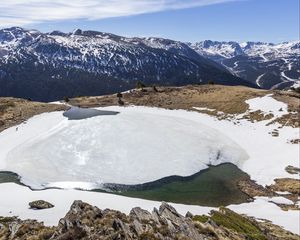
<point>266,64</point>
<point>43,66</point>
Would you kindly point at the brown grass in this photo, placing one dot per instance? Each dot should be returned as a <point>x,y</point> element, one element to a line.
<point>230,100</point>
<point>226,99</point>
<point>14,111</point>
<point>286,184</point>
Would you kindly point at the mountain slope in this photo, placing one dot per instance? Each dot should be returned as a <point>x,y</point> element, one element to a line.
<point>265,64</point>
<point>50,66</point>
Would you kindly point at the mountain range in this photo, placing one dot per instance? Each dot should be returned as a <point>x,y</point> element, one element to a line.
<point>268,65</point>
<point>49,66</point>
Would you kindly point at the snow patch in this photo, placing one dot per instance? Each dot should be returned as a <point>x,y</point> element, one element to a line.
<point>280,200</point>
<point>14,205</point>
<point>262,208</point>
<point>283,193</point>
<point>204,109</point>
<point>267,105</point>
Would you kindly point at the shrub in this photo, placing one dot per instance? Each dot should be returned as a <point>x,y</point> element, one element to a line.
<point>154,88</point>
<point>66,99</point>
<point>140,85</point>
<point>206,231</point>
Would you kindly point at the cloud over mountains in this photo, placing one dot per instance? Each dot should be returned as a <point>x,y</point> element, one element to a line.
<point>24,12</point>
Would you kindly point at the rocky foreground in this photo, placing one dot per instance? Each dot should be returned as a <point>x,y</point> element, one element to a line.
<point>84,221</point>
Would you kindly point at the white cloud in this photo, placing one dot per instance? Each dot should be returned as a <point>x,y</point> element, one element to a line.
<point>23,12</point>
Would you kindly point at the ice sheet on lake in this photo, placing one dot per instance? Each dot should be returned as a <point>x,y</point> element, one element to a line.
<point>131,147</point>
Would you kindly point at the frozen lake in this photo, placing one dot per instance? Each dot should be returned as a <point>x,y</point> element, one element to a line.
<point>128,146</point>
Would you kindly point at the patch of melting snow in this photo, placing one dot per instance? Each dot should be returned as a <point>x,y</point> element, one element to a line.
<point>280,200</point>
<point>267,105</point>
<point>204,109</point>
<point>283,193</point>
<point>262,208</point>
<point>296,84</point>
<point>129,90</point>
<point>58,102</point>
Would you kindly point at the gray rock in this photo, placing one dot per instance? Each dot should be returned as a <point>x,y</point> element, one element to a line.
<point>189,215</point>
<point>140,214</point>
<point>40,204</point>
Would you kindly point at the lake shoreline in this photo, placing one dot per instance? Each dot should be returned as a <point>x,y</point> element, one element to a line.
<point>214,186</point>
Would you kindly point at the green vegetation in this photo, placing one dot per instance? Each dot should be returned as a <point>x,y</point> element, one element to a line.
<point>233,221</point>
<point>238,223</point>
<point>200,218</point>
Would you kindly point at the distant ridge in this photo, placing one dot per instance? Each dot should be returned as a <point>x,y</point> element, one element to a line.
<point>49,66</point>
<point>267,65</point>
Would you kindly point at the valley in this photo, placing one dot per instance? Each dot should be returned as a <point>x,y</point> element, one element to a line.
<point>271,66</point>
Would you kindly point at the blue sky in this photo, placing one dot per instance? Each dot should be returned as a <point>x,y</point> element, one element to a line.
<point>185,20</point>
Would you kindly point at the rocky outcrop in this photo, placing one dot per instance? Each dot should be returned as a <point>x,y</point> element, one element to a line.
<point>14,228</point>
<point>87,222</point>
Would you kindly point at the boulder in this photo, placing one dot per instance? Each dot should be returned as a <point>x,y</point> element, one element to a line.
<point>40,204</point>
